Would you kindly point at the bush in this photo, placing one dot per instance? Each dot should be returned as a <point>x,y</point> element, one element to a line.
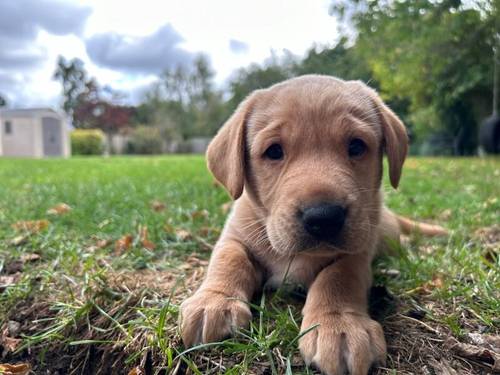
<point>146,140</point>
<point>87,142</point>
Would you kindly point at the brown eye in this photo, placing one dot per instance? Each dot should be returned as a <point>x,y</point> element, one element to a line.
<point>274,152</point>
<point>356,147</point>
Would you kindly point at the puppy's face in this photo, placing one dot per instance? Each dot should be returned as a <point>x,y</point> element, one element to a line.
<point>312,162</point>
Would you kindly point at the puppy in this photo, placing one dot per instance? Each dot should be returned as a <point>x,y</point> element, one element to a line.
<point>303,162</point>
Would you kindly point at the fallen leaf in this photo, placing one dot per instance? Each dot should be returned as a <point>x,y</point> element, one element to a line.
<point>7,280</point>
<point>136,371</point>
<point>29,257</point>
<point>19,240</point>
<point>201,214</point>
<point>59,209</point>
<point>123,244</point>
<point>226,207</point>
<point>10,344</point>
<point>157,206</point>
<point>143,236</point>
<point>13,328</point>
<point>100,244</point>
<point>31,226</point>
<point>477,353</point>
<point>207,231</point>
<point>489,341</point>
<point>17,369</point>
<point>183,234</point>
<point>429,286</point>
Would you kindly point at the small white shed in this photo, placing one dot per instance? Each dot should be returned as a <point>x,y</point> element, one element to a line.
<point>34,132</point>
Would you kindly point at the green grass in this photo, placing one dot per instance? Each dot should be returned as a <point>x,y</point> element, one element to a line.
<point>84,308</point>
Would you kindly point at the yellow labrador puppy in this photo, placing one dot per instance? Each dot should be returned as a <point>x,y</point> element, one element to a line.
<point>303,161</point>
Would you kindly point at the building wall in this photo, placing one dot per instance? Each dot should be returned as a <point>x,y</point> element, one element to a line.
<point>26,139</point>
<point>22,140</point>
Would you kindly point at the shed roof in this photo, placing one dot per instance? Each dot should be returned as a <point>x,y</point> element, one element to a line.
<point>27,111</point>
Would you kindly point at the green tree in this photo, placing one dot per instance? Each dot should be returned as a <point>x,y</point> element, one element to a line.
<point>3,101</point>
<point>75,84</point>
<point>436,55</point>
<point>257,76</point>
<point>184,102</point>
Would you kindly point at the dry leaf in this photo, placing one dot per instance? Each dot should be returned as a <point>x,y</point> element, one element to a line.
<point>143,236</point>
<point>488,341</point>
<point>7,280</point>
<point>136,371</point>
<point>29,257</point>
<point>206,231</point>
<point>17,369</point>
<point>31,226</point>
<point>203,214</point>
<point>429,286</point>
<point>226,207</point>
<point>123,244</point>
<point>100,244</point>
<point>10,344</point>
<point>157,206</point>
<point>12,328</point>
<point>19,240</point>
<point>59,209</point>
<point>183,234</point>
<point>476,353</point>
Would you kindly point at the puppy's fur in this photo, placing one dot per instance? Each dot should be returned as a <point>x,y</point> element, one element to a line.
<point>313,118</point>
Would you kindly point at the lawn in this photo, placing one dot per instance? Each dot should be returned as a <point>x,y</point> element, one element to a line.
<point>94,285</point>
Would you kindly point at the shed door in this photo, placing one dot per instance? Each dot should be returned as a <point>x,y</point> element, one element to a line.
<point>52,142</point>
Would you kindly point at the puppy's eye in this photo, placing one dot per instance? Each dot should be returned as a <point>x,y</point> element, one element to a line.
<point>274,152</point>
<point>356,147</point>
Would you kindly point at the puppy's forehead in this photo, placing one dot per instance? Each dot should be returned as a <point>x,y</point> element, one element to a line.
<point>313,99</point>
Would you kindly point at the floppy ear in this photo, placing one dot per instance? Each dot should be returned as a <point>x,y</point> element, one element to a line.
<point>226,152</point>
<point>395,140</point>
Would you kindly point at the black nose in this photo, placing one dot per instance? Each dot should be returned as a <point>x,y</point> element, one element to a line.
<point>324,220</point>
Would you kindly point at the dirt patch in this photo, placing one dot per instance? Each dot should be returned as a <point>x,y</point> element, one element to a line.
<point>97,337</point>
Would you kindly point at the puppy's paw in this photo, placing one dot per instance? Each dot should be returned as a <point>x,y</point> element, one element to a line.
<point>210,316</point>
<point>343,343</point>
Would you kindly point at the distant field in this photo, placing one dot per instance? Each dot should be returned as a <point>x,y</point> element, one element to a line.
<point>94,286</point>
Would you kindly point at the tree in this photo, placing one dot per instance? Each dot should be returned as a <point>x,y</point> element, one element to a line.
<point>257,76</point>
<point>436,55</point>
<point>3,101</point>
<point>184,102</point>
<point>88,104</point>
<point>75,84</point>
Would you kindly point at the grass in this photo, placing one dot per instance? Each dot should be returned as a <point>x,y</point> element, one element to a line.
<point>82,305</point>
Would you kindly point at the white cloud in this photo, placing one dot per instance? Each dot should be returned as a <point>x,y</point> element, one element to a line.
<point>202,26</point>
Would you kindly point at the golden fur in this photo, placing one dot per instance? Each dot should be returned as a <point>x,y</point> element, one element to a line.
<point>313,118</point>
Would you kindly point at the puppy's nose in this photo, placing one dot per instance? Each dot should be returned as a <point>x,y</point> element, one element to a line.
<point>324,221</point>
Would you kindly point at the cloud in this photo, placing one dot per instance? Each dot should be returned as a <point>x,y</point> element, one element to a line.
<point>237,46</point>
<point>144,55</point>
<point>20,23</point>
<point>22,19</point>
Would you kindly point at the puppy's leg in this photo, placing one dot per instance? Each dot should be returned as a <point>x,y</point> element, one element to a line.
<point>219,305</point>
<point>346,339</point>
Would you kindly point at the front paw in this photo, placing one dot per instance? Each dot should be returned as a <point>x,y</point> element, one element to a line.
<point>343,343</point>
<point>210,316</point>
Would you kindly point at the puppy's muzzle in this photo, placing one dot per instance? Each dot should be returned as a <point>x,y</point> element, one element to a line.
<point>323,221</point>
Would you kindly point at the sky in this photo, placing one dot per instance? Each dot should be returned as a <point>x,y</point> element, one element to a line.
<point>126,44</point>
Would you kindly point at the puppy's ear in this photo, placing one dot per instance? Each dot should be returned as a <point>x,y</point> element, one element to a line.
<point>395,140</point>
<point>226,152</point>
